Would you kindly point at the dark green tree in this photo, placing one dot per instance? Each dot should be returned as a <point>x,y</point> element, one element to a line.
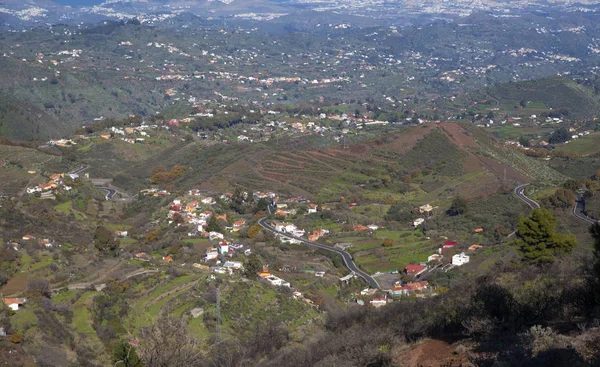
<point>105,241</point>
<point>458,207</point>
<point>261,205</point>
<point>212,225</point>
<point>524,141</point>
<point>559,136</point>
<point>538,240</point>
<point>126,355</point>
<point>399,212</point>
<point>252,266</point>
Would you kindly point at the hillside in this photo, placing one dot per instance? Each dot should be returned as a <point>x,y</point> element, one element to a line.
<point>22,120</point>
<point>416,164</point>
<point>561,95</point>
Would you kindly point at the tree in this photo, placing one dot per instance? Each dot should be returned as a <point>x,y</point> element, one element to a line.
<point>538,240</point>
<point>562,198</point>
<point>152,236</point>
<point>16,338</point>
<point>212,225</point>
<point>388,242</point>
<point>458,207</point>
<point>126,355</point>
<point>254,230</point>
<point>167,343</point>
<point>261,205</point>
<point>398,212</point>
<point>105,241</point>
<point>524,141</point>
<point>559,136</point>
<point>252,266</point>
<point>39,288</point>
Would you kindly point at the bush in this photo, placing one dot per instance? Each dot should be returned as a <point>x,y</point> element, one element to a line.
<point>541,339</point>
<point>388,242</point>
<point>16,338</point>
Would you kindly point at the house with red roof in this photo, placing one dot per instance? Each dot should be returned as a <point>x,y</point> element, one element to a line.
<point>414,269</point>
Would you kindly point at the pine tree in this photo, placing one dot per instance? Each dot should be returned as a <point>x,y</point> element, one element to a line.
<point>539,240</point>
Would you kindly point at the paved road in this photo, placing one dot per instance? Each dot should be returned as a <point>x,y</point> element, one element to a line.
<point>577,209</point>
<point>110,193</point>
<point>578,212</point>
<point>519,191</point>
<point>80,169</point>
<point>348,262</point>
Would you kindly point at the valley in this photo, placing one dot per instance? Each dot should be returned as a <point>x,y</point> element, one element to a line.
<point>299,184</point>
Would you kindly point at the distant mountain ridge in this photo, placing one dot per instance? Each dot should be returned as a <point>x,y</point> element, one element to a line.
<point>75,11</point>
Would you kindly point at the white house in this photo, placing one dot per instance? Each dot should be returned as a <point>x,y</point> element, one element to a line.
<point>417,222</point>
<point>208,201</point>
<point>211,254</point>
<point>215,235</point>
<point>233,265</point>
<point>378,302</point>
<point>223,248</point>
<point>460,259</point>
<point>278,282</point>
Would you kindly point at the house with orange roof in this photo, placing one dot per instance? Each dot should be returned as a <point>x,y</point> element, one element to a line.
<point>14,303</point>
<point>28,237</point>
<point>222,217</point>
<point>265,273</point>
<point>478,230</point>
<point>168,259</point>
<point>192,206</point>
<point>48,186</point>
<point>57,176</point>
<point>474,247</point>
<point>360,227</point>
<point>237,225</point>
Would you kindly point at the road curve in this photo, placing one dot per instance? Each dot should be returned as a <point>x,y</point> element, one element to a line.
<point>577,209</point>
<point>519,191</point>
<point>348,262</point>
<point>110,193</point>
<point>578,213</point>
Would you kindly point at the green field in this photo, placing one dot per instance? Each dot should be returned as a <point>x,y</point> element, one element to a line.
<point>584,146</point>
<point>81,315</point>
<point>64,207</point>
<point>409,246</point>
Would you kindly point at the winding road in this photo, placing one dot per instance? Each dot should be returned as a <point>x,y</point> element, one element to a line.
<point>577,209</point>
<point>520,192</point>
<point>348,261</point>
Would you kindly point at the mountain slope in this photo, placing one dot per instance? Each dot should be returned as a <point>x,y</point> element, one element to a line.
<point>418,164</point>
